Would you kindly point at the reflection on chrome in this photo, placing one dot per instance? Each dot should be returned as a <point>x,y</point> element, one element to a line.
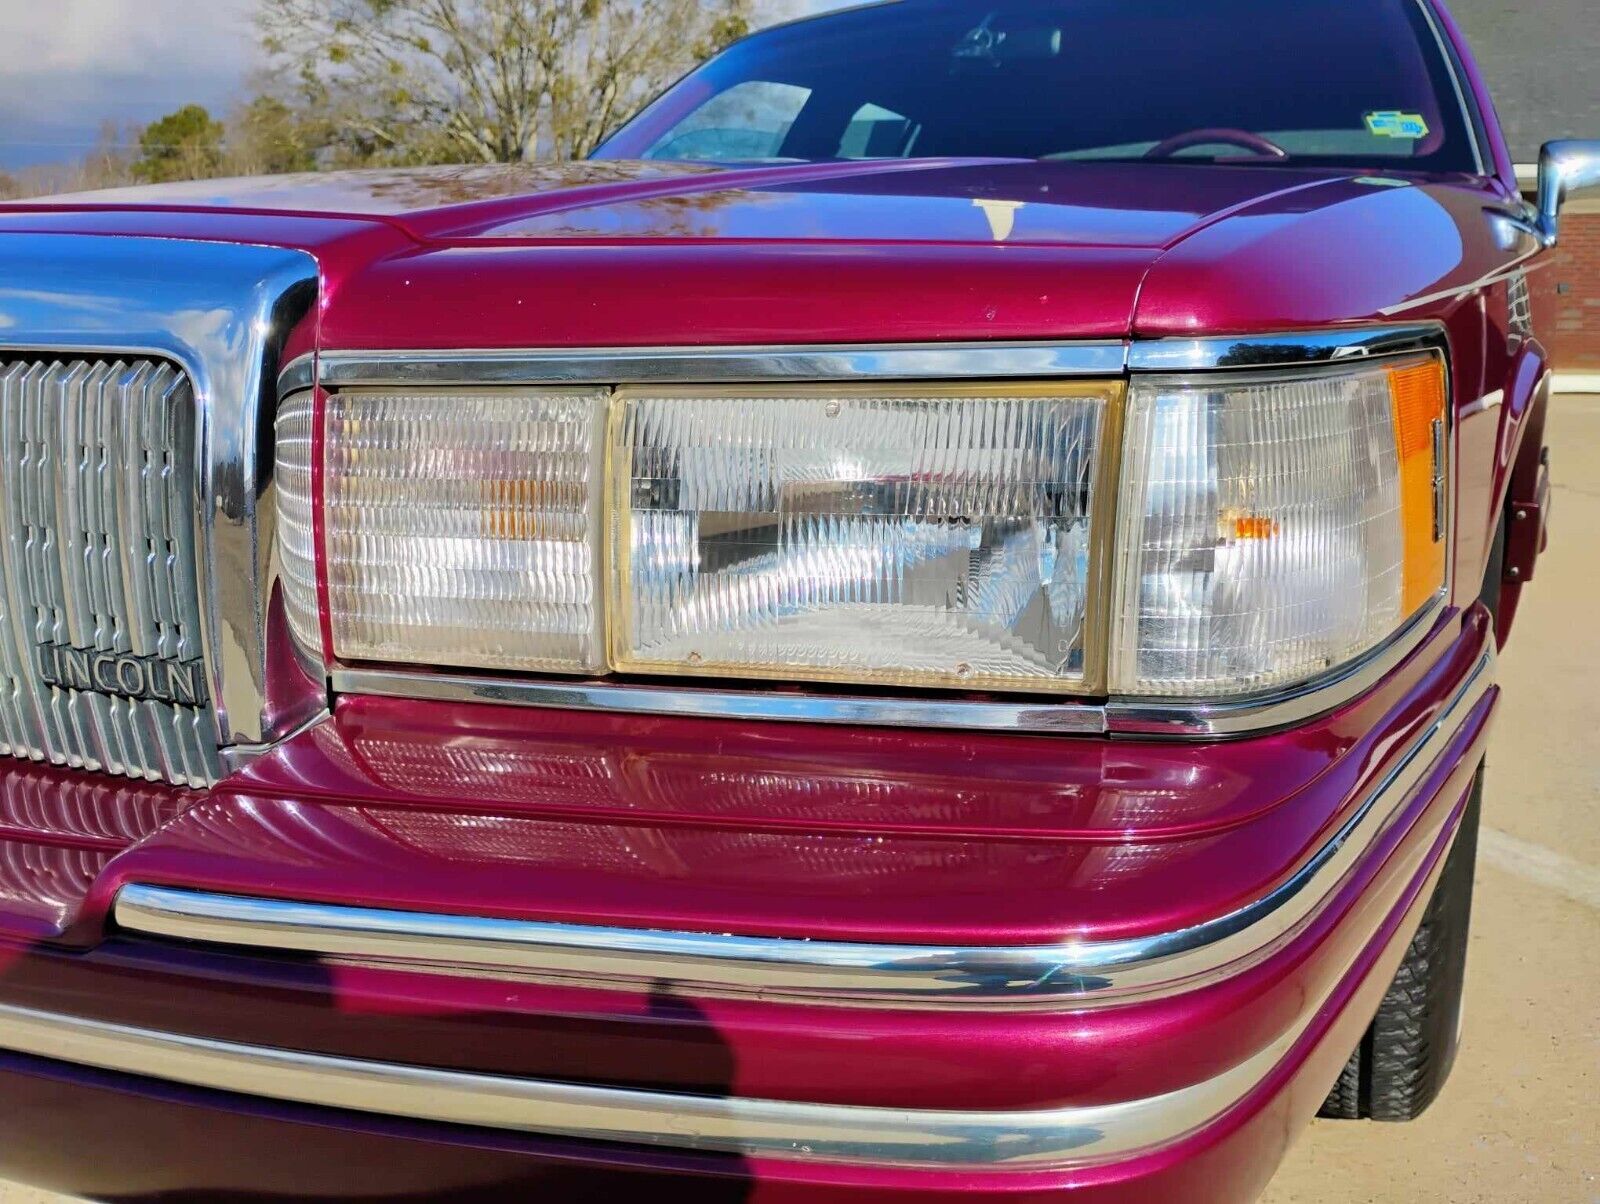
<point>1072,973</point>
<point>222,313</point>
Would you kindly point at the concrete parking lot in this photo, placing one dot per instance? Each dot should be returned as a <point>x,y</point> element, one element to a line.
<point>1519,1123</point>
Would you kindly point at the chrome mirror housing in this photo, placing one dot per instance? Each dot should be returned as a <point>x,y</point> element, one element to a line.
<point>1564,168</point>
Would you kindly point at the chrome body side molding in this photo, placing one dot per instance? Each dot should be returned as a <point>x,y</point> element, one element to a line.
<point>1068,975</point>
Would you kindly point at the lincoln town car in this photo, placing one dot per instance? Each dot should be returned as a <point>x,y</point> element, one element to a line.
<point>923,625</point>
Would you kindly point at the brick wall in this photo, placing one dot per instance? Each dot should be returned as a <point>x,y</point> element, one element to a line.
<point>1566,294</point>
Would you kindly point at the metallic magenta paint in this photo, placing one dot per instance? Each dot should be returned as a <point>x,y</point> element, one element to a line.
<point>729,826</point>
<point>1228,1160</point>
<point>572,817</point>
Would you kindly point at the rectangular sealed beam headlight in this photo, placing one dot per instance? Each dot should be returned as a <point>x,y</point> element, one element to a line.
<point>1205,536</point>
<point>463,527</point>
<point>1273,526</point>
<point>925,536</point>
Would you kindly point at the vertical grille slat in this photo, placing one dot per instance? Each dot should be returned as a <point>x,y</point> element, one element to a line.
<point>99,573</point>
<point>32,710</point>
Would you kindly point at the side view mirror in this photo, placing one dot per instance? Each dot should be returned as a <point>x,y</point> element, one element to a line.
<point>1564,168</point>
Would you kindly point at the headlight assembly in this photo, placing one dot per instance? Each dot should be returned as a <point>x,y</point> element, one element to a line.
<point>1202,536</point>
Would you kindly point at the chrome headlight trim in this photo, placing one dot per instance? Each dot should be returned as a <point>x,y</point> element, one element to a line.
<point>1043,361</point>
<point>837,362</point>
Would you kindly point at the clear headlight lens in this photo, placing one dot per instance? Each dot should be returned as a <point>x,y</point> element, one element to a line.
<point>919,538</point>
<point>1267,527</point>
<point>1273,527</point>
<point>297,549</point>
<point>464,528</point>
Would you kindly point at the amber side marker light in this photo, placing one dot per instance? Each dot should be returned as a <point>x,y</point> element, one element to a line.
<point>1418,394</point>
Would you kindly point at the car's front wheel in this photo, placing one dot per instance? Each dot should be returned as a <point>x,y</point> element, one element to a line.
<point>1406,1055</point>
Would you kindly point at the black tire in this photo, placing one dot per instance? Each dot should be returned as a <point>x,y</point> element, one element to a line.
<point>1406,1055</point>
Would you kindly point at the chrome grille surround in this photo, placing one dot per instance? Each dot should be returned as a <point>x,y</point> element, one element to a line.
<point>139,613</point>
<point>98,575</point>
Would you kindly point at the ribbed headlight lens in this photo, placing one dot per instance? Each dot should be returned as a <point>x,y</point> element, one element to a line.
<point>1274,526</point>
<point>1200,536</point>
<point>464,528</point>
<point>297,549</point>
<point>934,537</point>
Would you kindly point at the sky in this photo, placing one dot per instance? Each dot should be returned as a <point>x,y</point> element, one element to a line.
<point>72,64</point>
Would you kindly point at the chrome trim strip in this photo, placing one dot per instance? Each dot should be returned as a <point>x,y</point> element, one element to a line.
<point>299,373</point>
<point>718,365</point>
<point>236,756</point>
<point>888,361</point>
<point>802,1132</point>
<point>1188,717</point>
<point>1065,717</point>
<point>1068,975</point>
<point>1519,264</point>
<point>1452,66</point>
<point>1288,349</point>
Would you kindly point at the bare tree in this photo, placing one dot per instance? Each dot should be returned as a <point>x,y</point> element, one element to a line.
<point>487,80</point>
<point>108,165</point>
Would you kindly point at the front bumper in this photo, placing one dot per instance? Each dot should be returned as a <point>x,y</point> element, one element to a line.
<point>779,964</point>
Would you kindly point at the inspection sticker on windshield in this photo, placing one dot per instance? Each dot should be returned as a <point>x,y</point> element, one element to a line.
<point>1392,123</point>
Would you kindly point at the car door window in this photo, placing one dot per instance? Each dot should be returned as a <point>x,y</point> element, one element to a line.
<point>748,121</point>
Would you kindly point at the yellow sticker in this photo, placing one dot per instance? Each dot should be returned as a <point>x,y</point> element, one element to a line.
<point>1392,123</point>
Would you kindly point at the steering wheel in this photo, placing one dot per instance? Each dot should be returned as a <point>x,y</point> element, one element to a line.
<point>1264,147</point>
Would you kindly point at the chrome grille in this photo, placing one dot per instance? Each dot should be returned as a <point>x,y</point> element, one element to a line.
<point>100,639</point>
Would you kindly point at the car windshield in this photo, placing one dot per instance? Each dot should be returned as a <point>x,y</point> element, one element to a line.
<point>1308,82</point>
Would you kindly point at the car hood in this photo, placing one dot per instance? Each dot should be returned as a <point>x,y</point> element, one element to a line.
<point>934,201</point>
<point>618,254</point>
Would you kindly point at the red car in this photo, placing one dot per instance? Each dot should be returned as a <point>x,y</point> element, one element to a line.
<point>922,627</point>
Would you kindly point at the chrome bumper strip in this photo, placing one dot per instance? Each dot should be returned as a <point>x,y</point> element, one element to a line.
<point>1067,975</point>
<point>971,1141</point>
<point>826,1133</point>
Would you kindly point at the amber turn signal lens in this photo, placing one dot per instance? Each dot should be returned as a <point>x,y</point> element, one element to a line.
<point>1274,526</point>
<point>1417,394</point>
